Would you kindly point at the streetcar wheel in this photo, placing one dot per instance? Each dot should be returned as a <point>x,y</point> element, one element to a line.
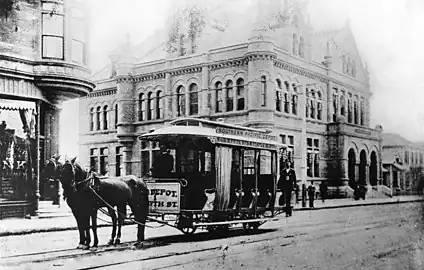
<point>188,230</point>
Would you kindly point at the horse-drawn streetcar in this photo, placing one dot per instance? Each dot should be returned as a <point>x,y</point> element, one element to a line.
<point>213,175</point>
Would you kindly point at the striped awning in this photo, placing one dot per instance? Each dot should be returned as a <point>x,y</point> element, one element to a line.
<point>15,105</point>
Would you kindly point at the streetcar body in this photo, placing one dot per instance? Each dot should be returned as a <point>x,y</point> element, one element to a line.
<point>221,175</point>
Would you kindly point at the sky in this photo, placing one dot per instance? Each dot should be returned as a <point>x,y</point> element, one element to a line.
<point>389,35</point>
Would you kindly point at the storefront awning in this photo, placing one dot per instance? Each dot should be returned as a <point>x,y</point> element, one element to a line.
<point>15,105</point>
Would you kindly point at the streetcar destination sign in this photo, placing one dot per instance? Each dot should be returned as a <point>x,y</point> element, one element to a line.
<point>164,197</point>
<point>245,133</point>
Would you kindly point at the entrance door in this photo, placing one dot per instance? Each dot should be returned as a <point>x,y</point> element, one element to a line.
<point>362,168</point>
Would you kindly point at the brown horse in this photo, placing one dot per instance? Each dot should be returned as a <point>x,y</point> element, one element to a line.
<point>95,192</point>
<point>81,208</point>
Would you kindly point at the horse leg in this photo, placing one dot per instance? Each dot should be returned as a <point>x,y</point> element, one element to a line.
<point>80,230</point>
<point>94,228</point>
<point>87,232</point>
<point>140,210</point>
<point>122,213</point>
<point>112,214</point>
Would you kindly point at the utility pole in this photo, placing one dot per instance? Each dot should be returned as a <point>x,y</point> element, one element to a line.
<point>303,165</point>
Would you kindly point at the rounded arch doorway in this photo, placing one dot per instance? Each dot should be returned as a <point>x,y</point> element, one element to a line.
<point>362,168</point>
<point>351,168</point>
<point>373,168</point>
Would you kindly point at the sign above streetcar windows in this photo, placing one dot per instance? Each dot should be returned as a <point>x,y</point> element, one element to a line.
<point>215,133</point>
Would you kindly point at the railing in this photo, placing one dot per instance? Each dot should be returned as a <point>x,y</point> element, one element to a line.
<point>385,190</point>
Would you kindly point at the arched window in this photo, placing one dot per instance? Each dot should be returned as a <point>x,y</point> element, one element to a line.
<point>159,105</point>
<point>263,91</point>
<point>312,111</point>
<point>194,99</point>
<point>307,103</point>
<point>150,106</point>
<point>287,98</point>
<point>116,115</point>
<point>91,119</point>
<point>105,117</point>
<point>181,107</point>
<point>355,112</point>
<point>295,49</point>
<point>302,47</point>
<point>218,97</point>
<point>141,108</point>
<point>361,104</point>
<point>294,100</point>
<point>240,94</point>
<point>349,110</point>
<point>342,106</point>
<point>98,120</point>
<point>278,96</point>
<point>319,106</point>
<point>230,96</point>
<point>335,108</point>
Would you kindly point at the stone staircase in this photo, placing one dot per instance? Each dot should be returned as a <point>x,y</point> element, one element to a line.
<point>378,192</point>
<point>46,209</point>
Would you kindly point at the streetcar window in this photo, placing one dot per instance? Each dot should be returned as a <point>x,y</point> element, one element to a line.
<point>249,162</point>
<point>265,163</point>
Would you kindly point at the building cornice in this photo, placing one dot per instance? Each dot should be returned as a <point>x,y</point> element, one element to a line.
<point>301,71</point>
<point>103,92</point>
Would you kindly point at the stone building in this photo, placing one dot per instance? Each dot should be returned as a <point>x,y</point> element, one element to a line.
<point>216,62</point>
<point>43,61</point>
<point>402,164</point>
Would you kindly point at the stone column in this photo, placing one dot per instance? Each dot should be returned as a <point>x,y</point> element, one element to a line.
<point>205,108</point>
<point>329,102</point>
<point>253,87</point>
<point>126,114</point>
<point>167,107</point>
<point>127,155</point>
<point>224,96</point>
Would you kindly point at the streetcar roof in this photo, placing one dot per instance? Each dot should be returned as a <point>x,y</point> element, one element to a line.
<point>215,132</point>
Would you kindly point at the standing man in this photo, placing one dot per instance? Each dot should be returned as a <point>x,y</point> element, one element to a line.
<point>323,190</point>
<point>311,194</point>
<point>286,183</point>
<point>163,164</point>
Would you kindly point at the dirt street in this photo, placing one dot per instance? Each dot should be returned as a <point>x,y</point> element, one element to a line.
<point>372,237</point>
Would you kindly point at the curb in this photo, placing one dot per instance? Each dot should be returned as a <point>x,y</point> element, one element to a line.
<point>355,205</point>
<point>58,229</point>
<point>53,229</point>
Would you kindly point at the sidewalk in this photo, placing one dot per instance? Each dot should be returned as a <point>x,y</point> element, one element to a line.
<point>62,223</point>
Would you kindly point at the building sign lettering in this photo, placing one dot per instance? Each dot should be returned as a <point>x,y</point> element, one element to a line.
<point>245,143</point>
<point>164,197</point>
<point>245,133</point>
<point>361,131</point>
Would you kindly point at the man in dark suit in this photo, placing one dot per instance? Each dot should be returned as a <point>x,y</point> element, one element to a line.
<point>286,183</point>
<point>163,164</point>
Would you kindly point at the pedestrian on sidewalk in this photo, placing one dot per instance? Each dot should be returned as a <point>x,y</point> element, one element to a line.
<point>286,183</point>
<point>297,190</point>
<point>323,190</point>
<point>311,194</point>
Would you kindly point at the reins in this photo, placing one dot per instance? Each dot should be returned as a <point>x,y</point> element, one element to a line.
<point>131,219</point>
